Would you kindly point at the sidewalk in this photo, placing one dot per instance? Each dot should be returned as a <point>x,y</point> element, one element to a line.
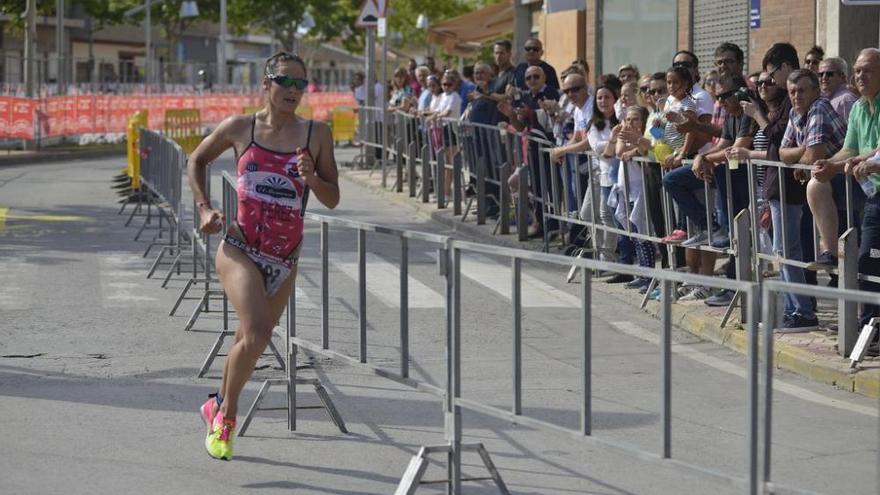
<point>65,153</point>
<point>812,355</point>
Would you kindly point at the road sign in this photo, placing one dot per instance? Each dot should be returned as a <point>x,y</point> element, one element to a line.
<point>369,15</point>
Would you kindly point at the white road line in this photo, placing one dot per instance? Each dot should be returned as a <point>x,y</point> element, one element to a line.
<point>633,330</point>
<point>496,277</point>
<point>383,281</point>
<point>303,301</point>
<point>12,289</point>
<point>122,279</point>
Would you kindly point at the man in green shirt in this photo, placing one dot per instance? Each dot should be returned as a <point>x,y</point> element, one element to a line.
<point>861,143</point>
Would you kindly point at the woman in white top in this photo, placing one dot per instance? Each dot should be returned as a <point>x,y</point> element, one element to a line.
<point>603,172</point>
<point>448,106</point>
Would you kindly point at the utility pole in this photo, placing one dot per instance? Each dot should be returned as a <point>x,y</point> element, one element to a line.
<point>221,48</point>
<point>369,91</point>
<point>59,46</point>
<point>30,47</point>
<point>148,36</point>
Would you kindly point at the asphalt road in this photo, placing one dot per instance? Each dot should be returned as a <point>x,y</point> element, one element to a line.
<point>98,387</point>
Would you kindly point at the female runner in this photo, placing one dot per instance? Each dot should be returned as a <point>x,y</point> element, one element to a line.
<point>280,159</point>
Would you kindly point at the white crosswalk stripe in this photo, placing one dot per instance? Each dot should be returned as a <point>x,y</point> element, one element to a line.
<point>496,277</point>
<point>12,291</point>
<point>122,280</point>
<point>303,301</point>
<point>383,281</point>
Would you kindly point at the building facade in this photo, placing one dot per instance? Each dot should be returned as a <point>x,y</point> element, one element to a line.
<point>610,33</point>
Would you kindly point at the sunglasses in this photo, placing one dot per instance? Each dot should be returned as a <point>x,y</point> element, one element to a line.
<point>683,63</point>
<point>532,48</point>
<point>446,84</point>
<point>765,82</point>
<point>726,95</point>
<point>288,82</point>
<point>656,91</point>
<point>569,91</point>
<point>644,89</point>
<point>533,77</point>
<point>827,73</point>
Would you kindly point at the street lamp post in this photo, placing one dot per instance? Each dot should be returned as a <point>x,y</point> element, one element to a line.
<point>221,48</point>
<point>423,24</point>
<point>188,8</point>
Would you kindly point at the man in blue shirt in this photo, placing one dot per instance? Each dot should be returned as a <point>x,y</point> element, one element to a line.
<point>534,50</point>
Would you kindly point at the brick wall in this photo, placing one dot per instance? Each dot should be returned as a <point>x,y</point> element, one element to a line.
<point>563,35</point>
<point>684,24</point>
<point>793,21</point>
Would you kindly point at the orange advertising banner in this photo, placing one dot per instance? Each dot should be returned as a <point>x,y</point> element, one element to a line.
<point>81,114</point>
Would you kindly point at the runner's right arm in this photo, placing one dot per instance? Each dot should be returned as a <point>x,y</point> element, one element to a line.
<point>223,138</point>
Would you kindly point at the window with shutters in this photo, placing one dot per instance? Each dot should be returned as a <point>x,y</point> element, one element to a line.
<point>717,21</point>
<point>641,32</point>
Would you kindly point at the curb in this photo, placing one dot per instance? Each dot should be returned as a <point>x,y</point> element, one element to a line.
<point>792,358</point>
<point>58,156</point>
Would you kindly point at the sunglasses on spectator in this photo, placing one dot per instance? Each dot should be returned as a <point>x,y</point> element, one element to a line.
<point>288,82</point>
<point>827,73</point>
<point>683,63</point>
<point>643,89</point>
<point>765,82</point>
<point>446,84</point>
<point>656,91</point>
<point>532,48</point>
<point>726,95</point>
<point>533,77</point>
<point>569,91</point>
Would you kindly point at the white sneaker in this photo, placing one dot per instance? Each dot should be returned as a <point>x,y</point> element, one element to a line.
<point>696,294</point>
<point>696,240</point>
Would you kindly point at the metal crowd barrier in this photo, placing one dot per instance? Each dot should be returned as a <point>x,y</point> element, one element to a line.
<point>489,155</point>
<point>450,255</point>
<point>160,178</point>
<point>756,298</point>
<point>847,270</point>
<point>229,205</point>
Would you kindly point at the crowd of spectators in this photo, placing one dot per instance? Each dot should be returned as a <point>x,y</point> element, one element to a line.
<point>694,129</point>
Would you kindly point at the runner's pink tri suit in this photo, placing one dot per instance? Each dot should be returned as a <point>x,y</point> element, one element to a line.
<point>272,198</point>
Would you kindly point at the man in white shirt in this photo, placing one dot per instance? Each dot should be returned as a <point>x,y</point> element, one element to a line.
<point>575,87</point>
<point>833,75</point>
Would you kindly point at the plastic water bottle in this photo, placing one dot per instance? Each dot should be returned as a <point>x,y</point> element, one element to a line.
<point>869,187</point>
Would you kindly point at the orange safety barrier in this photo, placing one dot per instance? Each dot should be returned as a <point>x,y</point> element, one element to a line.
<point>29,118</point>
<point>184,127</point>
<point>138,120</point>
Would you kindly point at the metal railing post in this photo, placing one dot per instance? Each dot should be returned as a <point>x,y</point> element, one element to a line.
<point>411,168</point>
<point>586,352</point>
<point>516,302</point>
<point>398,161</point>
<point>426,173</point>
<point>456,183</point>
<point>506,169</point>
<point>404,307</point>
<point>362,294</point>
<point>847,311</point>
<point>325,285</point>
<point>440,180</point>
<point>666,294</point>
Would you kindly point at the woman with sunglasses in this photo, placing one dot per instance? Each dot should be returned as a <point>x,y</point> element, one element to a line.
<point>763,111</point>
<point>281,158</point>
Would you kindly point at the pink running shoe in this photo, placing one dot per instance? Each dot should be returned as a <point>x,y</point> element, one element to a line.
<point>219,440</point>
<point>677,236</point>
<point>209,410</point>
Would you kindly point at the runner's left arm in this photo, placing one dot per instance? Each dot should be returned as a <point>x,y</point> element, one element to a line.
<point>319,169</point>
